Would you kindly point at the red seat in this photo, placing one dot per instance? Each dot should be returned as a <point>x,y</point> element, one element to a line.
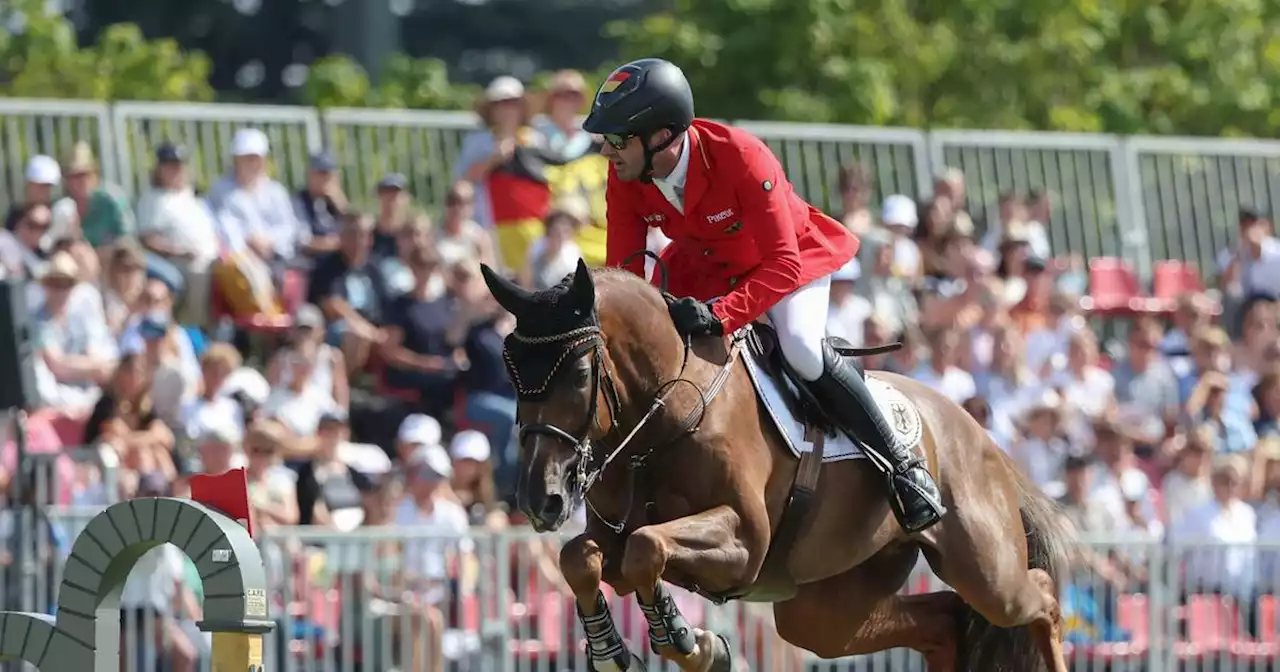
<point>1174,278</point>
<point>1269,618</point>
<point>1114,289</point>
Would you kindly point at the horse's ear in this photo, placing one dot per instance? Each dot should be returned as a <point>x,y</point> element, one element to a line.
<point>508,294</point>
<point>583,288</point>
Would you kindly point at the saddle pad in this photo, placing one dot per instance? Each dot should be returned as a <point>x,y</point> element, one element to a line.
<point>902,415</point>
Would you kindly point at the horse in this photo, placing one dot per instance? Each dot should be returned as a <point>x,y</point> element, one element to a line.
<point>690,477</point>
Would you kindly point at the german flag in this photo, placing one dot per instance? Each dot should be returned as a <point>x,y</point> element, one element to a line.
<point>615,80</point>
<point>522,191</point>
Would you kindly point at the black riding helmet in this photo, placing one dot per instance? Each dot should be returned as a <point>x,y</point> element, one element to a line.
<point>639,99</point>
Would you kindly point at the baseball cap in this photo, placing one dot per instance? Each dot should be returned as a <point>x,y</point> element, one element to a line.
<point>431,462</point>
<point>43,169</point>
<point>170,153</point>
<point>470,444</point>
<point>850,272</point>
<point>322,162</point>
<point>308,315</point>
<point>420,430</point>
<point>899,210</point>
<point>393,181</point>
<point>503,88</point>
<point>250,142</point>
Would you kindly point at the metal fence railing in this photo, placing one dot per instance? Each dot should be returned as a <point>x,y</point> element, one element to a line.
<point>405,599</point>
<point>1140,198</point>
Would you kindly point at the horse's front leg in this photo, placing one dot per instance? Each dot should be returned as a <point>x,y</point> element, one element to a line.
<point>582,563</point>
<point>705,545</point>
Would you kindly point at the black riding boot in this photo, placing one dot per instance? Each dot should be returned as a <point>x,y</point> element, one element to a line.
<point>844,395</point>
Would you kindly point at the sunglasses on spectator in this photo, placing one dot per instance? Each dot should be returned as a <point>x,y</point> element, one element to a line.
<point>455,201</point>
<point>618,140</point>
<point>262,451</point>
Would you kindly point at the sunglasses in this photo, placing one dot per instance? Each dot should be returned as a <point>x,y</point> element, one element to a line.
<point>618,140</point>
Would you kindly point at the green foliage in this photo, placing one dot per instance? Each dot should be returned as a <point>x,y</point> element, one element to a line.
<point>41,59</point>
<point>1131,66</point>
<point>416,83</point>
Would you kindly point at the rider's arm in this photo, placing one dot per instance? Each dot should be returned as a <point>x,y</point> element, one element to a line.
<point>766,216</point>
<point>626,233</point>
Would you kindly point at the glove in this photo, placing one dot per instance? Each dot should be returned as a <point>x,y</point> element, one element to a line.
<point>692,317</point>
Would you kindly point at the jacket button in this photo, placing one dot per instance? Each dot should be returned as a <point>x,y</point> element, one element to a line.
<point>706,253</point>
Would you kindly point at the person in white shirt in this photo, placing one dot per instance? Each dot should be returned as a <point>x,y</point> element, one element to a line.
<point>1042,448</point>
<point>253,210</point>
<point>180,227</point>
<point>1220,537</point>
<point>555,255</point>
<point>849,312</point>
<point>941,372</point>
<point>1252,266</point>
<point>900,216</point>
<point>434,523</point>
<point>1186,486</point>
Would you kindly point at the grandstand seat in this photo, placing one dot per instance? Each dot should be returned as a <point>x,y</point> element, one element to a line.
<point>1114,290</point>
<point>1269,618</point>
<point>1174,278</point>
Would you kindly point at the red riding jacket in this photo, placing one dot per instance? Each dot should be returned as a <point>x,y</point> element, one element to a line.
<point>745,235</point>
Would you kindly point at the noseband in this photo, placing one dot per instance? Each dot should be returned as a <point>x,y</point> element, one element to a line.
<point>587,469</point>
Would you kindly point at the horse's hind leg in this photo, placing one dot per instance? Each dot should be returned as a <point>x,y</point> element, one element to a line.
<point>985,559</point>
<point>705,545</point>
<point>582,564</point>
<point>860,612</point>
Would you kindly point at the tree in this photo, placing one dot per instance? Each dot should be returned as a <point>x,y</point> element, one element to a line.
<point>1203,68</point>
<point>40,58</point>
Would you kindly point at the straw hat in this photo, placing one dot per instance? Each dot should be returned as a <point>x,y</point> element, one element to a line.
<point>502,89</point>
<point>61,266</point>
<point>79,160</point>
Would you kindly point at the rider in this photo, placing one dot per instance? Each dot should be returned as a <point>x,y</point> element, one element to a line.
<point>744,236</point>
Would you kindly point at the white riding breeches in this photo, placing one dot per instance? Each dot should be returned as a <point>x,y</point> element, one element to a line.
<point>800,319</point>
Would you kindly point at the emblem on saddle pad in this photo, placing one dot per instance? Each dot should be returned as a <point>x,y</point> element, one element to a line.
<point>902,415</point>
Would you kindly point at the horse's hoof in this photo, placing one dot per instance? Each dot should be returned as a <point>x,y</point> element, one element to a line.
<point>619,664</point>
<point>722,661</point>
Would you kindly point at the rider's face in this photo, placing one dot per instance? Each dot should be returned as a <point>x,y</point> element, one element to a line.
<point>626,153</point>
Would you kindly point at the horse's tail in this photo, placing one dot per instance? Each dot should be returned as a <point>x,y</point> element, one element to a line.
<point>986,648</point>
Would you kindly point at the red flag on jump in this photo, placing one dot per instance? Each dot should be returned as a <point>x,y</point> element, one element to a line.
<point>227,492</point>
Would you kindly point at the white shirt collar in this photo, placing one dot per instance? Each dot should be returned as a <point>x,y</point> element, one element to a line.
<point>681,171</point>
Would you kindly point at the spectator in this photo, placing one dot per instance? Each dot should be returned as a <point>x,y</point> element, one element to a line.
<point>1117,480</point>
<point>221,449</point>
<point>415,235</point>
<point>473,474</point>
<point>254,211</point>
<point>124,284</point>
<point>855,199</point>
<point>174,381</point>
<point>891,298</point>
<point>302,397</point>
<point>460,238</point>
<point>180,228</point>
<point>848,312</point>
<point>1207,405</point>
<point>1186,486</point>
<point>560,124</point>
<point>505,113</point>
<point>328,488</point>
<point>395,211</point>
<point>1087,514</point>
<point>97,212</point>
<point>1042,447</point>
<point>1209,352</point>
<point>941,372</point>
<point>1260,333</point>
<point>416,348</point>
<point>42,175</point>
<point>20,251</point>
<point>124,419</point>
<point>74,350</point>
<point>1225,519</point>
<point>320,204</point>
<point>900,218</point>
<point>1266,396</point>
<point>273,492</point>
<point>416,430</point>
<point>1090,388</point>
<point>555,255</point>
<point>479,330</point>
<point>1266,492</point>
<point>351,291</point>
<point>430,514</point>
<point>1252,266</point>
<point>328,378</point>
<point>1192,313</point>
<point>1144,383</point>
<point>156,306</point>
<point>950,184</point>
<point>223,377</point>
<point>1007,384</point>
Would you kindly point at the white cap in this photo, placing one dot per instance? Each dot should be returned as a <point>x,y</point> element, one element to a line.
<point>420,430</point>
<point>502,88</point>
<point>899,210</point>
<point>43,169</point>
<point>470,444</point>
<point>850,272</point>
<point>433,458</point>
<point>250,142</point>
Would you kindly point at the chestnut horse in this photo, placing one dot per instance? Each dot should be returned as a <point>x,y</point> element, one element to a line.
<point>687,479</point>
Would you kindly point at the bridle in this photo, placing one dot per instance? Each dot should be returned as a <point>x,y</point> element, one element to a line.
<point>587,469</point>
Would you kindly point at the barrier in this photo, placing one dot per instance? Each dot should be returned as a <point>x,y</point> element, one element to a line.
<point>84,634</point>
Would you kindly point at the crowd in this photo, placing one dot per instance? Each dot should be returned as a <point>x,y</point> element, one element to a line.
<point>383,398</point>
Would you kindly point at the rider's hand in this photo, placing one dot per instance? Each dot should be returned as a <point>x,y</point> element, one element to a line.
<point>692,317</point>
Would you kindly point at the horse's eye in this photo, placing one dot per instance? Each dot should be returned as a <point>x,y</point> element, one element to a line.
<point>581,378</point>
